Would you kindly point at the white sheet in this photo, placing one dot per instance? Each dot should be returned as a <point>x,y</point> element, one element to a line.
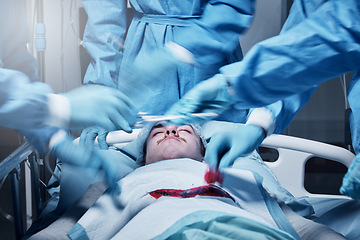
<point>104,220</point>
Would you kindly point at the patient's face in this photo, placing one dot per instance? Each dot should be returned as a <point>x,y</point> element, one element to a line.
<point>171,142</point>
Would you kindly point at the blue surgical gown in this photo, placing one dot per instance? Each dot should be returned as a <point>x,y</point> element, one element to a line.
<point>23,103</point>
<point>210,30</point>
<point>320,41</point>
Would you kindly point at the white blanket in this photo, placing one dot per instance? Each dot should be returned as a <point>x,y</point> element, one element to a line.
<point>141,216</point>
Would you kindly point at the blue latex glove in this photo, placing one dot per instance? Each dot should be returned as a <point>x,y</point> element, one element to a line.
<point>211,95</point>
<point>89,134</point>
<point>39,138</point>
<point>95,105</point>
<point>225,147</point>
<point>89,157</point>
<point>351,181</point>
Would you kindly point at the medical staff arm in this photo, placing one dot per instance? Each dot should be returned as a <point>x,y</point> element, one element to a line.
<point>218,31</point>
<point>351,182</point>
<point>209,41</point>
<point>39,138</point>
<point>284,111</point>
<point>67,151</point>
<point>224,148</point>
<point>321,47</point>
<point>23,104</point>
<point>103,39</point>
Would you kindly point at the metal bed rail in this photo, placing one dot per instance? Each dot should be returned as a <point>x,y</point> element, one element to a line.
<point>10,166</point>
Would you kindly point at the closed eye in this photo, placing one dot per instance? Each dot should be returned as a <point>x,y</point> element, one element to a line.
<point>185,130</point>
<point>156,133</point>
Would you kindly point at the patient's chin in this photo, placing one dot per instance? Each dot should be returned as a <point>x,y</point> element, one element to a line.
<point>172,151</point>
<point>170,155</point>
<point>169,152</point>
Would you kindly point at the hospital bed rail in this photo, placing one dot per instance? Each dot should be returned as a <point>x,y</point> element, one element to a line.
<point>10,167</point>
<point>294,152</point>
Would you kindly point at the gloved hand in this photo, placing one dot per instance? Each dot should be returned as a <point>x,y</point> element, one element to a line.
<point>351,181</point>
<point>144,73</point>
<point>39,138</point>
<point>225,147</point>
<point>95,105</point>
<point>88,157</point>
<point>89,135</point>
<point>211,95</point>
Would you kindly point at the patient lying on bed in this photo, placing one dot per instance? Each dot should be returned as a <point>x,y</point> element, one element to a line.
<point>167,197</point>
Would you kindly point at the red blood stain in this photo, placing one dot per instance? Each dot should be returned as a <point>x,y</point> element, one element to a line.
<point>208,190</point>
<point>212,176</point>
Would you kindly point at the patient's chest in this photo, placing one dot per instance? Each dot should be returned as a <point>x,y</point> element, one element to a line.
<point>180,174</point>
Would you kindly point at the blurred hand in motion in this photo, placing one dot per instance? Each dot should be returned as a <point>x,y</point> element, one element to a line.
<point>95,105</point>
<point>88,136</point>
<point>211,95</point>
<point>39,137</point>
<point>225,147</point>
<point>146,71</point>
<point>89,157</point>
<point>351,181</point>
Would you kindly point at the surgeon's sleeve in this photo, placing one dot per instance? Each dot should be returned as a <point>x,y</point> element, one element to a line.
<point>324,45</point>
<point>103,39</point>
<point>218,31</point>
<point>22,104</point>
<point>285,110</point>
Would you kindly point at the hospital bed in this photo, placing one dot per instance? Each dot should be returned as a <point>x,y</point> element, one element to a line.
<point>293,153</point>
<point>289,167</point>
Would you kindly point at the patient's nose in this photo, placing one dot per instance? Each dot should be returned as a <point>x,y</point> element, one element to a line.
<point>171,130</point>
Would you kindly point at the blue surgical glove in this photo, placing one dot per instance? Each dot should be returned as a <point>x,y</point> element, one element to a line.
<point>89,135</point>
<point>88,157</point>
<point>211,95</point>
<point>225,147</point>
<point>39,138</point>
<point>351,182</point>
<point>95,105</point>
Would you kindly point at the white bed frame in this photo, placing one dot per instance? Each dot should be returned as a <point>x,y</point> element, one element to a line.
<point>293,154</point>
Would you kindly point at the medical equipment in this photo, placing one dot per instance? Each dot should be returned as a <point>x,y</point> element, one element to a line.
<point>143,118</point>
<point>146,118</point>
<point>213,94</point>
<point>289,167</point>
